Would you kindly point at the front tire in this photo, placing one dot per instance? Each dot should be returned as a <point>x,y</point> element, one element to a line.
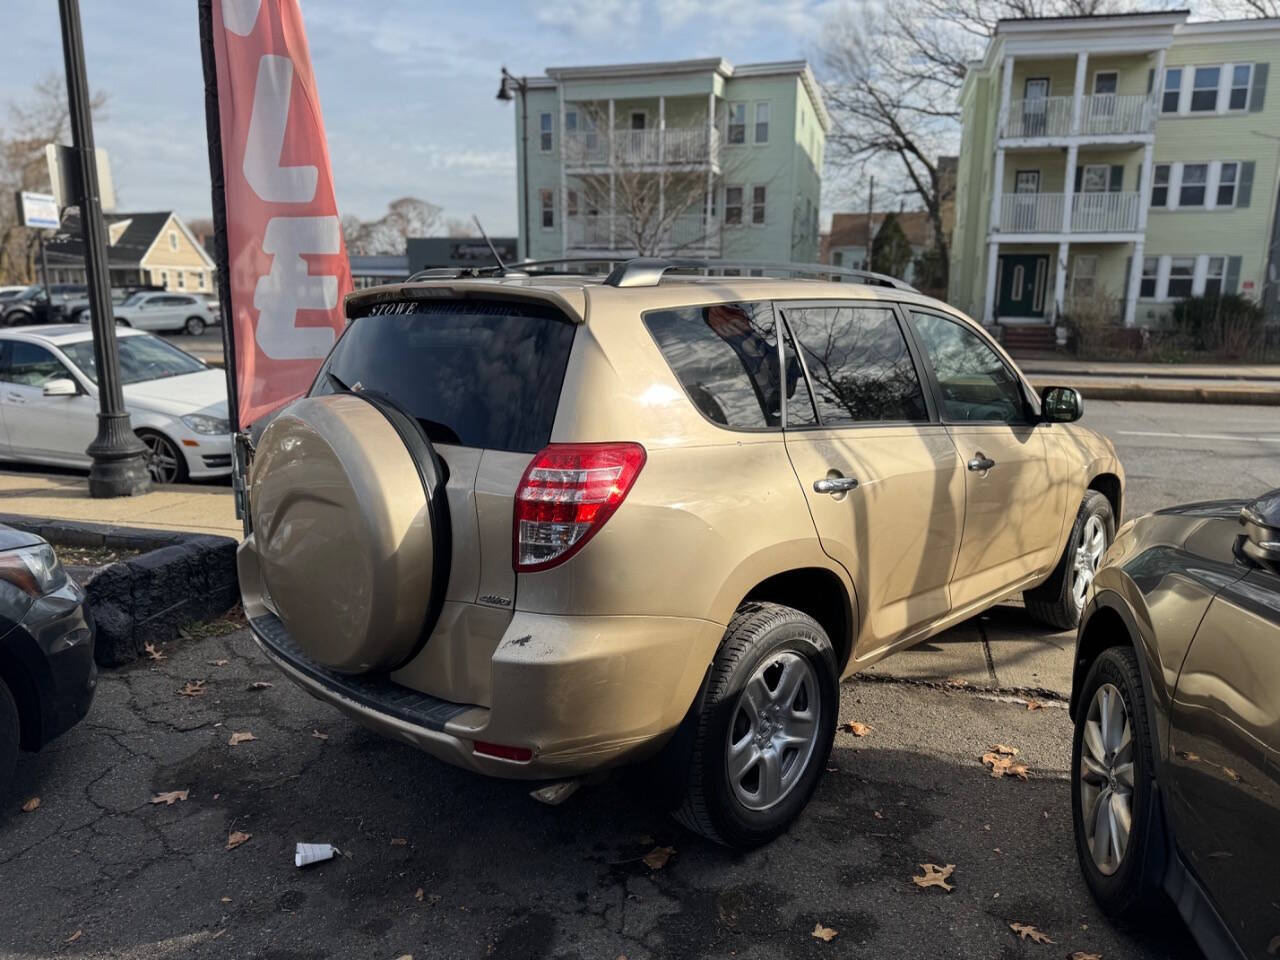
<point>1059,601</point>
<point>10,737</point>
<point>1118,833</point>
<point>764,728</point>
<point>194,326</point>
<point>165,461</point>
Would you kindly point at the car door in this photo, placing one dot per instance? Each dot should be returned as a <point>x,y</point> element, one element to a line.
<point>882,476</point>
<point>1013,513</point>
<point>1225,757</point>
<point>46,429</point>
<point>152,313</point>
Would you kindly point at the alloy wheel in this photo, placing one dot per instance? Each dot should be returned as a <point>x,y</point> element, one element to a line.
<point>773,731</point>
<point>162,458</point>
<point>1106,778</point>
<point>1088,556</point>
<point>194,326</point>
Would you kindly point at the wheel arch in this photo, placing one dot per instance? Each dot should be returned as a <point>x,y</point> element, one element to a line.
<point>1108,622</point>
<point>820,593</point>
<point>1111,487</point>
<point>27,696</point>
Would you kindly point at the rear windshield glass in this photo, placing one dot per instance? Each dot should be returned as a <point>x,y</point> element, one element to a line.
<point>473,373</point>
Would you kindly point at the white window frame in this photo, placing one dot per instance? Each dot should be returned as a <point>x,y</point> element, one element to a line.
<point>164,279</point>
<point>1168,180</point>
<point>1168,278</point>
<point>1193,89</point>
<point>642,111</point>
<point>1222,98</point>
<point>1154,275</point>
<point>1182,184</point>
<point>182,280</point>
<point>544,194</point>
<point>1091,275</point>
<point>764,205</point>
<point>1164,89</point>
<point>755,127</point>
<point>1093,90</point>
<point>729,123</point>
<point>1219,165</point>
<point>1106,174</point>
<point>1203,274</point>
<point>741,205</point>
<point>1229,86</point>
<point>547,134</point>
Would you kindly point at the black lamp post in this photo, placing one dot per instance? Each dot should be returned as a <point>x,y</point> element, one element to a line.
<point>504,93</point>
<point>119,458</point>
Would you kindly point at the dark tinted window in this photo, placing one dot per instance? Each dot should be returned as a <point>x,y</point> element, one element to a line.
<point>726,358</point>
<point>30,364</point>
<point>975,383</point>
<point>858,364</point>
<point>476,374</point>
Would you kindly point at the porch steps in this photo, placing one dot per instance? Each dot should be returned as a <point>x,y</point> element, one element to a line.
<point>1019,338</point>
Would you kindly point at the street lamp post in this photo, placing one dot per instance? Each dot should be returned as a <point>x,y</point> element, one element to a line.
<point>504,93</point>
<point>119,466</point>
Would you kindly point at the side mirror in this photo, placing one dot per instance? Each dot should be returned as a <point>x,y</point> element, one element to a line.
<point>1261,521</point>
<point>1061,405</point>
<point>61,387</point>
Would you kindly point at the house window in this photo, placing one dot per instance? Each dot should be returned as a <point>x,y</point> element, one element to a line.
<point>762,123</point>
<point>737,123</point>
<point>1195,177</point>
<point>1204,89</point>
<point>1181,276</point>
<point>1084,277</point>
<point>548,202</point>
<point>173,239</point>
<point>1172,90</point>
<point>544,132</point>
<point>733,205</point>
<point>639,119</point>
<point>1150,271</point>
<point>1160,185</point>
<point>164,279</point>
<point>182,280</point>
<point>1105,83</point>
<point>1215,270</point>
<point>757,205</point>
<point>837,258</point>
<point>1227,185</point>
<point>1241,77</point>
<point>571,203</point>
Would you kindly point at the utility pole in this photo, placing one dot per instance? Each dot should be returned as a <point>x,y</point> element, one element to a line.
<point>871,206</point>
<point>504,93</point>
<point>119,458</point>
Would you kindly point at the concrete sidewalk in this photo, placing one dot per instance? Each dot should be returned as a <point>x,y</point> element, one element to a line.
<point>187,508</point>
<point>1146,371</point>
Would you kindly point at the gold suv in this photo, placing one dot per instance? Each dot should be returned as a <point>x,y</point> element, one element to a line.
<point>543,526</point>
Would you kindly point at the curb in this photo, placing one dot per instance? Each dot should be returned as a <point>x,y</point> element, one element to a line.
<point>177,578</point>
<point>1166,393</point>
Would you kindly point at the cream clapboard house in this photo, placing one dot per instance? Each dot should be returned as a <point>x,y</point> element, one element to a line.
<point>144,249</point>
<point>1133,155</point>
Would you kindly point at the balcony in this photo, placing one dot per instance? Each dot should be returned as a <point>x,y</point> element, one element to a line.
<point>1090,212</point>
<point>690,234</point>
<point>681,146</point>
<point>1100,115</point>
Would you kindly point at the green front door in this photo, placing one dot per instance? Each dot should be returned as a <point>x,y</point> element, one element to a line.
<point>1022,284</point>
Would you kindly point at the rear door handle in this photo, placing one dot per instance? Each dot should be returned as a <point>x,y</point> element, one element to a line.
<point>834,484</point>
<point>981,463</point>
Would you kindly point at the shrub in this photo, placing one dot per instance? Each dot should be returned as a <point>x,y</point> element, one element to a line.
<point>1093,321</point>
<point>1227,325</point>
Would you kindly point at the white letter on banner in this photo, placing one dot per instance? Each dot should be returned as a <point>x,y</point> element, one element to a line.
<point>269,180</point>
<point>288,288</point>
<point>239,16</point>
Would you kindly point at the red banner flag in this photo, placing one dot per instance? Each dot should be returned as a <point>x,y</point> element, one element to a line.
<point>283,265</point>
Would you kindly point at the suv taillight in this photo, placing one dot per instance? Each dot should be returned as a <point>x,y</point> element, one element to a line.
<point>566,494</point>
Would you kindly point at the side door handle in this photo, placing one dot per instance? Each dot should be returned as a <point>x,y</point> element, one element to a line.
<point>981,463</point>
<point>835,484</point>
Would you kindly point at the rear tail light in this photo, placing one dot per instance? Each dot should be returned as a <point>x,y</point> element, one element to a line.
<point>566,494</point>
<point>503,752</point>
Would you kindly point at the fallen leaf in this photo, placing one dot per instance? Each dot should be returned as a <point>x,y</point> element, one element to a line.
<point>1081,955</point>
<point>856,728</point>
<point>241,736</point>
<point>405,956</point>
<point>1027,932</point>
<point>218,663</point>
<point>169,798</point>
<point>154,653</point>
<point>1018,770</point>
<point>957,682</point>
<point>877,814</point>
<point>398,841</point>
<point>30,805</point>
<point>418,894</point>
<point>825,934</point>
<point>1007,751</point>
<point>1002,764</point>
<point>261,685</point>
<point>1033,705</point>
<point>1231,774</point>
<point>236,838</point>
<point>218,934</point>
<point>935,876</point>
<point>657,858</point>
<point>319,736</point>
<point>74,937</point>
<point>193,688</point>
<point>226,899</point>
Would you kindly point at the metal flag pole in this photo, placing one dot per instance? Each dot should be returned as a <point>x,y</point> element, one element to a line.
<point>119,458</point>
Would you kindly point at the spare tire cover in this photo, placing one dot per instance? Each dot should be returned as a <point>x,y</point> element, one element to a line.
<point>343,532</point>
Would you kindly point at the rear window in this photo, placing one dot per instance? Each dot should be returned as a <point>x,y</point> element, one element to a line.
<point>473,373</point>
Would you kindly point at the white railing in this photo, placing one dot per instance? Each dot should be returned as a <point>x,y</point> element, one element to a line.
<point>1031,213</point>
<point>689,233</point>
<point>1105,212</point>
<point>675,145</point>
<point>1100,114</point>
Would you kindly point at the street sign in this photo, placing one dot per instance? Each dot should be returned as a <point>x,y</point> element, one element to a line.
<point>38,210</point>
<point>63,174</point>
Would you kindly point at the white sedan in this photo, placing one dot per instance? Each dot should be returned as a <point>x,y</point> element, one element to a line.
<point>49,401</point>
<point>158,310</point>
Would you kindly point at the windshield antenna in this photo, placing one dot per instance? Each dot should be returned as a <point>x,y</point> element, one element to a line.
<point>492,249</point>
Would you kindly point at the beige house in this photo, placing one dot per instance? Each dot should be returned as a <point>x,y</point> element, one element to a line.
<point>144,249</point>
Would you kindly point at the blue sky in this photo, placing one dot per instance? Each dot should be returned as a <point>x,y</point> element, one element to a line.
<point>407,87</point>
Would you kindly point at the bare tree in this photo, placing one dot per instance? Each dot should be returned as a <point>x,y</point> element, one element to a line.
<point>459,227</point>
<point>41,120</point>
<point>1245,9</point>
<point>405,218</point>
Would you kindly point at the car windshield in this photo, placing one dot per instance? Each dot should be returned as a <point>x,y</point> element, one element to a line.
<point>134,297</point>
<point>141,358</point>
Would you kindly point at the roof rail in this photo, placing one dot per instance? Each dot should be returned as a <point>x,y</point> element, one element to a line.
<point>648,271</point>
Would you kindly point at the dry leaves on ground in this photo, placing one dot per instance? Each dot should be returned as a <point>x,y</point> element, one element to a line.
<point>1027,932</point>
<point>30,805</point>
<point>170,797</point>
<point>261,685</point>
<point>399,841</point>
<point>419,894</point>
<point>825,934</point>
<point>238,837</point>
<point>1033,705</point>
<point>856,728</point>
<point>240,736</point>
<point>319,736</point>
<point>1081,955</point>
<point>193,688</point>
<point>935,876</point>
<point>1001,762</point>
<point>218,663</point>
<point>154,652</point>
<point>657,858</point>
<point>74,937</point>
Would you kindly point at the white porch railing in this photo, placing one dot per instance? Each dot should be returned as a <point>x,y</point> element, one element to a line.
<point>1039,117</point>
<point>1100,114</point>
<point>1031,213</point>
<point>675,145</point>
<point>1105,212</point>
<point>684,234</point>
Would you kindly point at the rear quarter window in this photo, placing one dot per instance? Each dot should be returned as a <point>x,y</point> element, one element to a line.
<point>476,374</point>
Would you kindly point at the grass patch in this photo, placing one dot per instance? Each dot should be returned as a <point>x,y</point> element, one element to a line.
<point>230,622</point>
<point>92,556</point>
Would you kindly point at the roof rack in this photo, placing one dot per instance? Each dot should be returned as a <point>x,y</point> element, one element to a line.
<point>648,271</point>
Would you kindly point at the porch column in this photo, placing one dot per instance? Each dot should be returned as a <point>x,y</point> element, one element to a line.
<point>1077,92</point>
<point>662,160</point>
<point>1006,89</point>
<point>613,197</point>
<point>1157,89</point>
<point>989,300</point>
<point>1144,187</point>
<point>564,179</point>
<point>997,190</point>
<point>1060,283</point>
<point>1135,282</point>
<point>1069,187</point>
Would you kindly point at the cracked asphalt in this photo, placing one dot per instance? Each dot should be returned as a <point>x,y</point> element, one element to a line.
<point>503,876</point>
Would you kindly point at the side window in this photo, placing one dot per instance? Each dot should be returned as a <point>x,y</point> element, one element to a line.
<point>975,383</point>
<point>726,358</point>
<point>858,364</point>
<point>31,364</point>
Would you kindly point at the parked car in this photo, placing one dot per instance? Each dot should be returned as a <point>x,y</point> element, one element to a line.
<point>33,305</point>
<point>49,401</point>
<point>160,310</point>
<point>9,293</point>
<point>541,527</point>
<point>47,674</point>
<point>1176,701</point>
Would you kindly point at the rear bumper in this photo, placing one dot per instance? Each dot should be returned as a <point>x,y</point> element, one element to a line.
<point>582,693</point>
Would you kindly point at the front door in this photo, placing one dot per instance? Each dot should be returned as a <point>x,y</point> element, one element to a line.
<point>1035,100</point>
<point>1012,521</point>
<point>1022,284</point>
<point>898,530</point>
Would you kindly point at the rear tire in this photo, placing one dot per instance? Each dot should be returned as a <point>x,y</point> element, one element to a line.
<point>764,728</point>
<point>194,326</point>
<point>1059,601</point>
<point>10,737</point>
